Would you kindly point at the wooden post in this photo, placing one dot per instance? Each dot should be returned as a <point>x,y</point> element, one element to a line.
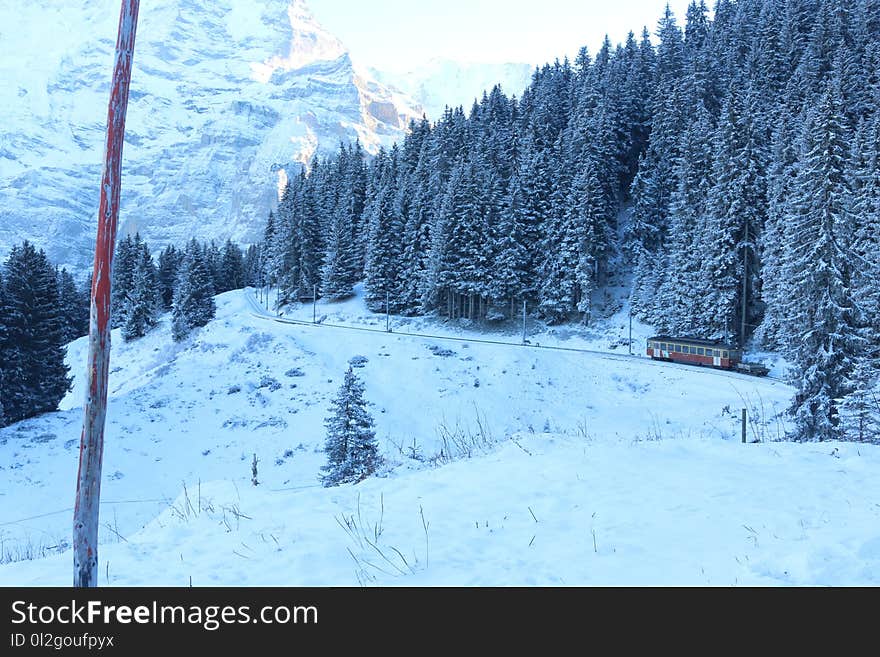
<point>744,416</point>
<point>387,311</point>
<point>91,450</point>
<point>314,304</point>
<point>524,322</point>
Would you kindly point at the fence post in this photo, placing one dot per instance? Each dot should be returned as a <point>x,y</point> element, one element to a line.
<point>744,416</point>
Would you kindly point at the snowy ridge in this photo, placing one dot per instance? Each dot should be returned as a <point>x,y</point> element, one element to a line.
<point>227,96</point>
<point>443,82</point>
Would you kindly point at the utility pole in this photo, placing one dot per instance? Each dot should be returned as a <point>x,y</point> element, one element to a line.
<point>524,322</point>
<point>91,449</point>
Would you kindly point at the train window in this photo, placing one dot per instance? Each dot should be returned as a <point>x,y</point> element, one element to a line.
<point>725,354</point>
<point>701,351</point>
<point>676,349</point>
<point>687,349</point>
<point>664,346</point>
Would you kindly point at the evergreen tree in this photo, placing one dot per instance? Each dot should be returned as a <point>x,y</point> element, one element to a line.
<point>351,448</point>
<point>124,261</point>
<point>73,307</point>
<point>194,295</point>
<point>213,259</point>
<point>35,376</point>
<point>340,263</point>
<point>169,263</point>
<point>511,277</point>
<point>383,227</point>
<point>232,268</point>
<point>141,306</point>
<point>735,218</point>
<point>822,310</point>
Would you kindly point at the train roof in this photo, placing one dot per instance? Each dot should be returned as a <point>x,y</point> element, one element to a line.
<point>698,341</point>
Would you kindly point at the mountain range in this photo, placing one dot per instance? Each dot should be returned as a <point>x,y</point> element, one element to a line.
<point>227,98</point>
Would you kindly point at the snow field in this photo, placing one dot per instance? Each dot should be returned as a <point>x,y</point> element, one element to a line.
<point>571,468</point>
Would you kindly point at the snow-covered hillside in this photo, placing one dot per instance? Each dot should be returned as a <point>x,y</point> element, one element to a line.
<point>226,94</point>
<point>442,82</point>
<point>571,468</point>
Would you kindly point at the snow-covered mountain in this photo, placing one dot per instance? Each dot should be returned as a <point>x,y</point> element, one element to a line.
<point>443,82</point>
<point>227,95</point>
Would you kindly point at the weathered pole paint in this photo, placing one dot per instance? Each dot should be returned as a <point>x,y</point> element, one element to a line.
<point>91,450</point>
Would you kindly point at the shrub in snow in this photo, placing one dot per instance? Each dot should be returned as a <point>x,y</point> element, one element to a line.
<point>352,452</point>
<point>358,361</point>
<point>269,382</point>
<point>441,351</point>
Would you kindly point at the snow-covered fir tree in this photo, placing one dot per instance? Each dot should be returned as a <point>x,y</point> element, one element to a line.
<point>73,306</point>
<point>351,448</point>
<point>231,270</point>
<point>141,305</point>
<point>34,374</point>
<point>823,317</point>
<point>169,264</point>
<point>194,294</point>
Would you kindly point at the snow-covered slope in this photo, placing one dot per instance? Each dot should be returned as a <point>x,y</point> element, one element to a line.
<point>557,467</point>
<point>225,95</point>
<point>443,82</point>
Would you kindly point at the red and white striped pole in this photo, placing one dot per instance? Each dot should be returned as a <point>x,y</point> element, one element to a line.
<point>91,450</point>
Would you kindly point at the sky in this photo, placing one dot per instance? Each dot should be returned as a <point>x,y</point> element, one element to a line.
<point>398,35</point>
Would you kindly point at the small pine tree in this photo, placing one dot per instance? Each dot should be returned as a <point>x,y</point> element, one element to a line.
<point>351,447</point>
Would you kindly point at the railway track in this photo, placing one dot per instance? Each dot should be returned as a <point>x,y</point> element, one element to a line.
<point>261,313</point>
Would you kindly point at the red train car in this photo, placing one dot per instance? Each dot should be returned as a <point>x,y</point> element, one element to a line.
<point>694,351</point>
